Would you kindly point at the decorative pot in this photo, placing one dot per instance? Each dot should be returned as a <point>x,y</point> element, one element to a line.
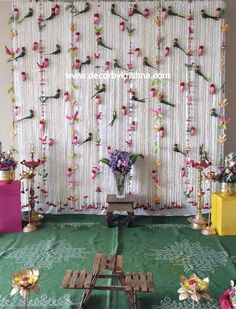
<point>120,184</point>
<point>227,189</point>
<point>7,176</point>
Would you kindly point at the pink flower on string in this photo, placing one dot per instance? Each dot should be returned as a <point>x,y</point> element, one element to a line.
<point>73,117</point>
<point>223,122</point>
<point>130,66</point>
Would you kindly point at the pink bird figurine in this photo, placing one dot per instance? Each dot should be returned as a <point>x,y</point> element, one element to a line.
<point>137,52</point>
<point>51,142</point>
<point>182,86</point>
<point>123,110</point>
<point>35,46</point>
<point>166,51</point>
<point>146,12</point>
<point>66,96</point>
<point>96,19</point>
<point>153,92</point>
<point>129,143</point>
<point>212,89</point>
<point>42,125</point>
<point>107,65</point>
<point>98,99</point>
<point>57,9</point>
<point>75,140</point>
<point>122,26</point>
<point>164,13</point>
<point>76,65</point>
<point>77,36</point>
<point>44,64</point>
<point>23,76</point>
<point>200,50</point>
<point>192,131</point>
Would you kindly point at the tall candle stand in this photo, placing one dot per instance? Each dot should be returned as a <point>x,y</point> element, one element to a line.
<point>198,222</point>
<point>33,218</point>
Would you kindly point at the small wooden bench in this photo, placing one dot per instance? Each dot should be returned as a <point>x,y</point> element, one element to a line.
<point>130,283</point>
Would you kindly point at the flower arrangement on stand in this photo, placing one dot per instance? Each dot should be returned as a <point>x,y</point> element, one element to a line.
<point>24,282</point>
<point>120,163</point>
<point>7,166</point>
<point>228,299</point>
<point>226,175</point>
<point>194,288</point>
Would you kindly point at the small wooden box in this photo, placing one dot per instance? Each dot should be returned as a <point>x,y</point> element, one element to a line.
<point>224,214</point>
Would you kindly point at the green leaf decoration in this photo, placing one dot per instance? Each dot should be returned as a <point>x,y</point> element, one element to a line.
<point>98,29</point>
<point>10,90</point>
<point>74,87</point>
<point>134,157</point>
<point>105,161</point>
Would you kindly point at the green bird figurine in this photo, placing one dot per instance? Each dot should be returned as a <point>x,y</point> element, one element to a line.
<point>113,12</point>
<point>22,54</point>
<point>31,115</point>
<point>136,11</point>
<point>43,98</point>
<point>176,149</point>
<point>99,90</point>
<point>57,51</point>
<point>176,45</point>
<point>88,139</point>
<point>100,43</point>
<point>172,13</point>
<point>87,61</point>
<point>198,72</point>
<point>113,118</point>
<point>205,15</point>
<point>145,63</point>
<point>134,98</point>
<point>85,10</point>
<point>30,14</point>
<point>117,66</point>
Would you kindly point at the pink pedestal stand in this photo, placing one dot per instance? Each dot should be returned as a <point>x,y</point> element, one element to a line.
<point>10,207</point>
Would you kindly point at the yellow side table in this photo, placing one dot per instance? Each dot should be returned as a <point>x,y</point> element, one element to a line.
<point>223,216</point>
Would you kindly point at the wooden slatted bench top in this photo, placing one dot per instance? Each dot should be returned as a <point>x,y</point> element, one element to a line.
<point>75,279</point>
<point>103,261</point>
<point>139,282</point>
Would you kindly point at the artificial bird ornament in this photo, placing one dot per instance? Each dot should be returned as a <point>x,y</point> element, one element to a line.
<point>31,115</point>
<point>164,13</point>
<point>172,13</point>
<point>214,113</point>
<point>101,43</point>
<point>220,12</point>
<point>147,64</point>
<point>205,15</point>
<point>117,66</point>
<point>43,98</point>
<point>87,61</point>
<point>160,97</point>
<point>29,14</point>
<point>99,90</point>
<point>134,98</point>
<point>85,10</point>
<point>113,12</point>
<point>146,12</point>
<point>198,72</point>
<point>114,117</point>
<point>57,50</point>
<point>176,149</point>
<point>176,45</point>
<point>88,139</point>
<point>136,11</point>
<point>14,16</point>
<point>54,12</point>
<point>22,54</point>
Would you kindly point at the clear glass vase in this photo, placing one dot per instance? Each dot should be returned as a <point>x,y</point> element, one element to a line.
<point>120,184</point>
<point>227,189</point>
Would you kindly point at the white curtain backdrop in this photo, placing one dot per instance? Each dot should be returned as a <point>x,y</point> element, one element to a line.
<point>207,32</point>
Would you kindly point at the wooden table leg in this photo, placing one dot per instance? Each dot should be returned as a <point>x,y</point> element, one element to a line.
<point>109,218</point>
<point>130,219</point>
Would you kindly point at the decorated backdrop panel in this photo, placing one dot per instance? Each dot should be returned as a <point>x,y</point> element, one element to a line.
<point>170,57</point>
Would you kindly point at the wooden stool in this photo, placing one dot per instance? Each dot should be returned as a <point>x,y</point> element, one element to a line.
<point>120,204</point>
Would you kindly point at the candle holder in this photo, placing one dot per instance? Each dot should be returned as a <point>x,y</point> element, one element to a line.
<point>198,222</point>
<point>32,218</point>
